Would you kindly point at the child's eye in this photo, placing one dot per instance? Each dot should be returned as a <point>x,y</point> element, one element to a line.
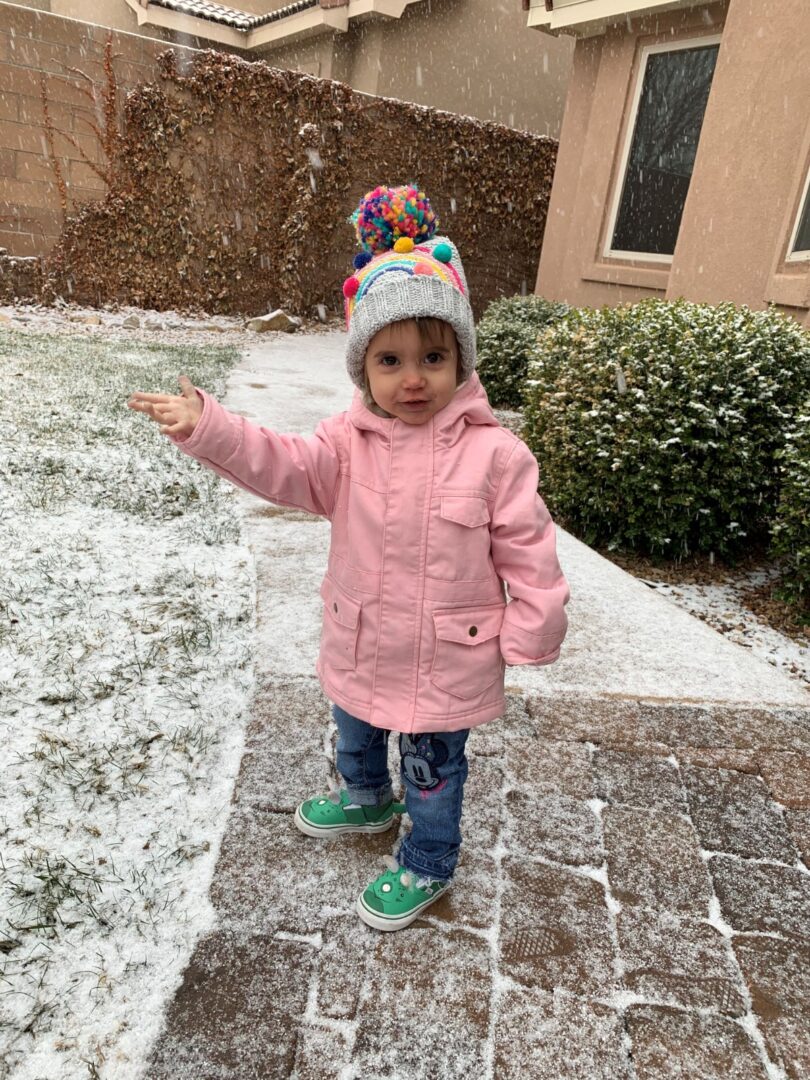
<point>388,361</point>
<point>434,358</point>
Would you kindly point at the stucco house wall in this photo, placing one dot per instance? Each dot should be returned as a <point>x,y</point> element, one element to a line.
<point>749,173</point>
<point>466,56</point>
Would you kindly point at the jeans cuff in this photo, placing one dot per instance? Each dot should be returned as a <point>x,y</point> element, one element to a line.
<point>428,868</point>
<point>370,796</point>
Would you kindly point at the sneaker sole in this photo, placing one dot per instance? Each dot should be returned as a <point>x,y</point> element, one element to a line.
<point>381,922</point>
<point>309,829</point>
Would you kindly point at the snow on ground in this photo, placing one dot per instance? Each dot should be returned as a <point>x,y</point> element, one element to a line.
<point>127,622</point>
<point>126,609</point>
<point>126,323</point>
<point>721,606</point>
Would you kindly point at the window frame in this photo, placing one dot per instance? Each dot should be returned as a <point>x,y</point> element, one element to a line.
<point>681,44</point>
<point>803,255</point>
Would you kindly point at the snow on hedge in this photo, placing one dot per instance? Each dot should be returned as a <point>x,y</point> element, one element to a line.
<point>658,425</point>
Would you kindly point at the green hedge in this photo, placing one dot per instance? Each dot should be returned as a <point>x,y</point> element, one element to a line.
<point>657,426</point>
<point>507,335</point>
<point>791,528</point>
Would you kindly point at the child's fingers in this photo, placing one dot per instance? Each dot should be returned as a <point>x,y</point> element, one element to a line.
<point>161,414</point>
<point>158,399</point>
<point>169,411</point>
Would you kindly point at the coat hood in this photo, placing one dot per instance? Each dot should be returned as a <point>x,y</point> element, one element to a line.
<point>469,405</point>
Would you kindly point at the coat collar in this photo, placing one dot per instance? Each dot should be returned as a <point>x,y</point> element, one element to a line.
<point>469,405</point>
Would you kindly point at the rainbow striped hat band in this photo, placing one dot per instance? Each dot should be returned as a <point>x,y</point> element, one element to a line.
<point>404,271</point>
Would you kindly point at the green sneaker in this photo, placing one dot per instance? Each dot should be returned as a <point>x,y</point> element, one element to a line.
<point>332,815</point>
<point>397,897</point>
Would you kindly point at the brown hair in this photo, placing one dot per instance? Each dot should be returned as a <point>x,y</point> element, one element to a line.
<point>429,329</point>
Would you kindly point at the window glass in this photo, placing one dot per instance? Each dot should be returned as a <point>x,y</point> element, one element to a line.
<point>662,154</point>
<point>802,242</point>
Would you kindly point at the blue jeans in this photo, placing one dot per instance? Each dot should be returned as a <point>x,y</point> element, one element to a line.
<point>433,767</point>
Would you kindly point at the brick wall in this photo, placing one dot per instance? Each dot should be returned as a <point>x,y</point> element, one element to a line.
<point>34,44</point>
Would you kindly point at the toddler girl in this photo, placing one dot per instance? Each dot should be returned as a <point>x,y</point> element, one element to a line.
<point>435,515</point>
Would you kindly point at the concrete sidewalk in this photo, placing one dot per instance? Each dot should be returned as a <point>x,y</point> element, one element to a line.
<point>633,899</point>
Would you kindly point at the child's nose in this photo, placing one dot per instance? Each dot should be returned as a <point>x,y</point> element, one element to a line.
<point>413,376</point>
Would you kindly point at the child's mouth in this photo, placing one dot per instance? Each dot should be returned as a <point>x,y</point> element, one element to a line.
<point>414,406</point>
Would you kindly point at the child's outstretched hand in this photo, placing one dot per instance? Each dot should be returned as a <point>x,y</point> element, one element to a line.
<point>176,414</point>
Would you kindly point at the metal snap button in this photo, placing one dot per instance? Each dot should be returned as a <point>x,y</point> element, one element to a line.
<point>473,631</point>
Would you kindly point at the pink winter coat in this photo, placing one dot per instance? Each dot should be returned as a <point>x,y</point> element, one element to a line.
<point>428,523</point>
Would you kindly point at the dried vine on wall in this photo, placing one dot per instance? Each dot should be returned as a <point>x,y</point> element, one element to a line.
<point>232,182</point>
<point>104,99</point>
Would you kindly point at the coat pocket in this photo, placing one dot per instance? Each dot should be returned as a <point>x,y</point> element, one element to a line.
<point>464,510</point>
<point>341,625</point>
<point>459,544</point>
<point>468,651</point>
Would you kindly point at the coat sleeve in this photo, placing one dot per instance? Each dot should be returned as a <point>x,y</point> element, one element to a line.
<point>290,470</point>
<point>524,552</point>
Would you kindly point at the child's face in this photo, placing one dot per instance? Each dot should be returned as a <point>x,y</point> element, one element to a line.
<point>409,375</point>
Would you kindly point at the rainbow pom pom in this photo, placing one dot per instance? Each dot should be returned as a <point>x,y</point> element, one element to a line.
<point>350,287</point>
<point>443,252</point>
<point>363,258</point>
<point>385,215</point>
<point>404,245</point>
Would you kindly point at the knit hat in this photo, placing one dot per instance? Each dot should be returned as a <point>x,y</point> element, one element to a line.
<point>404,271</point>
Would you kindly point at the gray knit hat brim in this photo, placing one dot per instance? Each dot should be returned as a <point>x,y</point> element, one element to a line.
<point>406,296</point>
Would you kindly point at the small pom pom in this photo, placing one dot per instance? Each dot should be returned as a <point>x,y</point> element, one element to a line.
<point>443,252</point>
<point>350,287</point>
<point>362,259</point>
<point>403,245</point>
<point>385,215</point>
<point>424,269</point>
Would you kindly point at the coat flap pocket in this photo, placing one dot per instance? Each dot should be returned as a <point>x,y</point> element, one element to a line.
<point>465,510</point>
<point>343,608</point>
<point>468,626</point>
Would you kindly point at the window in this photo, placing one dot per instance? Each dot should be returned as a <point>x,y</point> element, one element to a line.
<point>658,159</point>
<point>799,247</point>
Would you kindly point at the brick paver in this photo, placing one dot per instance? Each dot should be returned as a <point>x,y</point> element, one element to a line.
<point>680,961</point>
<point>654,861</point>
<point>669,1044</point>
<point>539,1033</point>
<point>778,976</point>
<point>633,903</point>
<point>734,812</point>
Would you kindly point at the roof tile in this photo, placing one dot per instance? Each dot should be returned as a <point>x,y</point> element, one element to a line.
<point>239,20</point>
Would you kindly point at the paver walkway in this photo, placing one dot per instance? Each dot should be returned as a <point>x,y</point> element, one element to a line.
<point>633,899</point>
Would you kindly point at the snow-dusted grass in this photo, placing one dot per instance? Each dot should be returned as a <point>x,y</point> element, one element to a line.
<point>126,614</point>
